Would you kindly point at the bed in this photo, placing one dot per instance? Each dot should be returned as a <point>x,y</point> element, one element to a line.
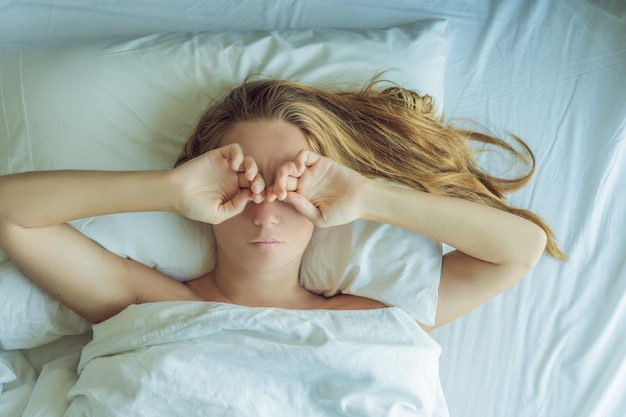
<point>553,73</point>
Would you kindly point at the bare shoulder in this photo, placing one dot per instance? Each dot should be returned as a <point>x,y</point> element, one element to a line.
<point>353,302</point>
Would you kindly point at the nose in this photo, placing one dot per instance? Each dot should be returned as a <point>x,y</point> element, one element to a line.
<point>265,213</point>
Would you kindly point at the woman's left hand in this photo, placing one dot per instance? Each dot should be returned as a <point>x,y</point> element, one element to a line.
<point>324,191</point>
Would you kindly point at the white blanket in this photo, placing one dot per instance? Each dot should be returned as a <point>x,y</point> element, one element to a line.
<point>214,359</point>
<point>17,378</point>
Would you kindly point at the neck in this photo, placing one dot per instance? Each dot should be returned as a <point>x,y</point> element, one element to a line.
<point>278,288</point>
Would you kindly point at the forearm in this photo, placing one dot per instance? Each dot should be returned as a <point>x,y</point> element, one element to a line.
<point>480,231</point>
<point>37,199</point>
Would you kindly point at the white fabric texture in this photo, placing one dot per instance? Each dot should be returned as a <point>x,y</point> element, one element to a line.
<point>131,104</point>
<point>17,379</point>
<point>199,358</point>
<point>49,394</point>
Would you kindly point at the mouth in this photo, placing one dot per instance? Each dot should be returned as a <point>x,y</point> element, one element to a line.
<point>270,243</point>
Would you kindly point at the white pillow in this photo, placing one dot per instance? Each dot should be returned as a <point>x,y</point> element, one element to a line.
<point>132,104</point>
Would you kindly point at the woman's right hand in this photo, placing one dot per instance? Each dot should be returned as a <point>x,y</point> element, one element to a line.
<point>217,185</point>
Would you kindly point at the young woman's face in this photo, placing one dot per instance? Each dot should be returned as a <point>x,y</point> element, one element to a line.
<point>267,236</point>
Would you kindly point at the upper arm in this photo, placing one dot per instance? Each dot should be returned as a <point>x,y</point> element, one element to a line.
<point>467,282</point>
<point>81,274</point>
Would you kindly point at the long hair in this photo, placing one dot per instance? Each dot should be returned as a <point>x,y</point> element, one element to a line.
<point>388,132</point>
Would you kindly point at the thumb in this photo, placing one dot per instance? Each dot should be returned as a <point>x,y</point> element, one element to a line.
<point>303,206</point>
<point>237,204</point>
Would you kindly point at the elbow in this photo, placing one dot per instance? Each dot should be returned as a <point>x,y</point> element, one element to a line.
<point>7,205</point>
<point>7,231</point>
<point>537,244</point>
<point>530,250</point>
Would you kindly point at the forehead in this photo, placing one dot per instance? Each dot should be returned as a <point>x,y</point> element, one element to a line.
<point>270,143</point>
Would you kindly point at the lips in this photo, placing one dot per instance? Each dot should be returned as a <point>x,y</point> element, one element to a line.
<point>266,243</point>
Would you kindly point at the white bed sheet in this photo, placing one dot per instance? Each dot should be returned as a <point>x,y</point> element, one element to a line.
<point>553,73</point>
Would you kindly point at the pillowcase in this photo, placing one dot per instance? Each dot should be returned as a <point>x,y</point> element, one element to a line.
<point>132,104</point>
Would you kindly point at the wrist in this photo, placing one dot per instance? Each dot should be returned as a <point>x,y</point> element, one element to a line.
<point>377,199</point>
<point>173,189</point>
<point>136,191</point>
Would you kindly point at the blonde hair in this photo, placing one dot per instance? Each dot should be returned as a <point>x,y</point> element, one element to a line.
<point>388,132</point>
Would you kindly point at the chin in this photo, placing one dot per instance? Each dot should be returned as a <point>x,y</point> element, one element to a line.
<point>266,264</point>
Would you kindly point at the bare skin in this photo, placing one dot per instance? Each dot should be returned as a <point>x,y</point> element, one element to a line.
<point>264,191</point>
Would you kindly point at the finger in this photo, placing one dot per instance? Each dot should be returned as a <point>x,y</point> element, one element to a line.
<point>233,153</point>
<point>301,159</point>
<point>306,158</point>
<point>292,184</point>
<point>274,192</point>
<point>286,179</point>
<point>249,168</point>
<point>257,185</point>
<point>303,206</point>
<point>258,198</point>
<point>271,192</point>
<point>237,204</point>
<point>287,169</point>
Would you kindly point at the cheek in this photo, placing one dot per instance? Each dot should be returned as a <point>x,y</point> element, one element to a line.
<point>308,230</point>
<point>224,232</point>
<point>302,226</point>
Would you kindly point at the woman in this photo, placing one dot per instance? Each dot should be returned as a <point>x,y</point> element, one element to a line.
<point>265,166</point>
